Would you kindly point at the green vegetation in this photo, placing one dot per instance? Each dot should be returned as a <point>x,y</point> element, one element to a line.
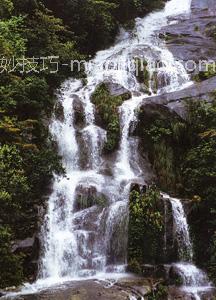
<point>211,31</point>
<point>160,293</point>
<point>145,227</point>
<point>70,30</point>
<point>95,23</point>
<point>183,153</point>
<point>84,202</point>
<point>144,77</point>
<point>210,71</point>
<point>142,73</point>
<point>164,138</point>
<point>11,265</point>
<point>107,109</point>
<point>199,177</point>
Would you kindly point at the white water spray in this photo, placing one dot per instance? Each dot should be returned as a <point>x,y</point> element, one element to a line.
<point>194,280</point>
<point>86,242</point>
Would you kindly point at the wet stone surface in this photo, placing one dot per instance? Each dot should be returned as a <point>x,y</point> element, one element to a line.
<point>92,290</point>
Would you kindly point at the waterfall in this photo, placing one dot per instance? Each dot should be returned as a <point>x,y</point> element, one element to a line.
<point>91,241</point>
<point>180,229</point>
<point>194,280</point>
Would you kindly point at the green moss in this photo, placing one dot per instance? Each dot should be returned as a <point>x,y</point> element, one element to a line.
<point>163,134</point>
<point>10,264</point>
<point>142,73</point>
<point>183,155</point>
<point>107,109</point>
<point>134,266</point>
<point>86,202</point>
<point>154,82</point>
<point>208,73</point>
<point>160,293</point>
<point>146,225</point>
<point>211,31</point>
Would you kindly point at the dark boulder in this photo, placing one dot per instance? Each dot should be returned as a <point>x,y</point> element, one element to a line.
<point>88,196</point>
<point>59,111</point>
<point>116,89</point>
<point>79,114</point>
<point>162,271</point>
<point>175,101</point>
<point>30,247</point>
<point>2,293</point>
<point>175,277</point>
<point>148,271</point>
<point>24,245</point>
<point>138,188</point>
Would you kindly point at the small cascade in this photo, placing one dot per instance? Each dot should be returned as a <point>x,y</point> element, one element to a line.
<point>180,229</point>
<point>191,276</point>
<point>194,280</point>
<point>165,228</point>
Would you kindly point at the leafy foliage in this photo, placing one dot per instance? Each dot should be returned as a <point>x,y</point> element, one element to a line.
<point>10,264</point>
<point>210,71</point>
<point>95,23</point>
<point>12,43</point>
<point>160,293</point>
<point>145,227</point>
<point>165,139</point>
<point>183,153</point>
<point>199,173</point>
<point>107,108</point>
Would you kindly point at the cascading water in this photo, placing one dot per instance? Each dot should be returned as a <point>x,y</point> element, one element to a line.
<point>194,281</point>
<point>79,242</point>
<point>180,229</point>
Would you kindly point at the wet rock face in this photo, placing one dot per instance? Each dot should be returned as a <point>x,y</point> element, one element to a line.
<point>79,114</point>
<point>175,101</point>
<point>118,240</point>
<point>59,111</point>
<point>123,289</point>
<point>180,294</point>
<point>83,158</point>
<point>138,188</point>
<point>186,39</point>
<point>30,247</point>
<point>116,89</point>
<point>204,7</point>
<point>170,243</point>
<point>175,277</point>
<point>24,245</point>
<point>87,197</point>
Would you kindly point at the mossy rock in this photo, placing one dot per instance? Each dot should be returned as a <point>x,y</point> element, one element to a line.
<point>209,72</point>
<point>146,226</point>
<point>142,73</point>
<point>107,109</point>
<point>89,196</point>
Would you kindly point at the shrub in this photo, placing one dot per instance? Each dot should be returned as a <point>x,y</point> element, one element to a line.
<point>107,109</point>
<point>146,224</point>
